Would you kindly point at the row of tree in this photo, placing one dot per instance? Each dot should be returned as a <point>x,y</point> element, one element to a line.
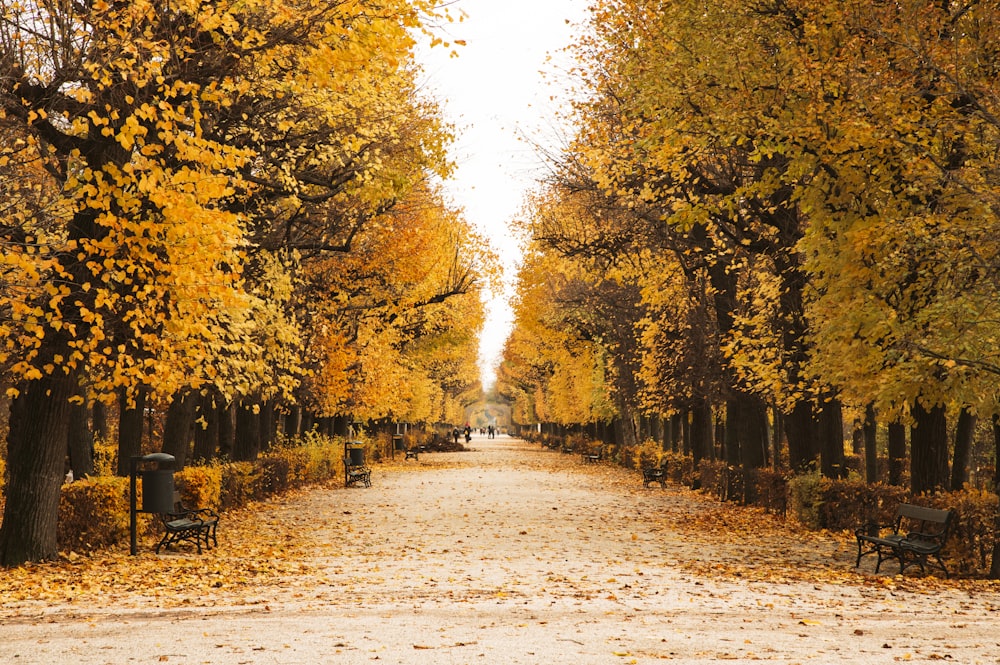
<point>784,211</point>
<point>219,207</point>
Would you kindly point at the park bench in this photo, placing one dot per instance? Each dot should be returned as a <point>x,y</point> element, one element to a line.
<point>655,474</point>
<point>411,453</point>
<point>915,536</point>
<point>193,525</point>
<point>355,468</point>
<point>592,457</point>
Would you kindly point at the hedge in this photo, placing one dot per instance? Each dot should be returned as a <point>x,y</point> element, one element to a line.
<point>94,512</point>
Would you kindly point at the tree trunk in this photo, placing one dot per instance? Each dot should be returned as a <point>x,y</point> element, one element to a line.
<point>800,430</point>
<point>227,429</point>
<point>268,426</point>
<point>928,449</point>
<point>964,432</point>
<point>657,432</point>
<point>995,558</point>
<point>100,419</point>
<point>179,427</point>
<point>701,434</point>
<point>731,442</point>
<point>130,424</point>
<point>309,422</point>
<point>869,431</point>
<point>247,444</point>
<point>36,455</point>
<point>676,432</point>
<point>752,432</point>
<point>629,435</point>
<point>293,421</point>
<point>777,437</point>
<point>830,432</point>
<point>80,442</point>
<point>206,428</point>
<point>897,453</point>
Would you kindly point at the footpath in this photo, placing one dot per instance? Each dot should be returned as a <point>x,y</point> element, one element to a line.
<point>506,553</point>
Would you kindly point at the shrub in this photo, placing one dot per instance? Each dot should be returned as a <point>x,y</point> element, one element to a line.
<point>770,490</point>
<point>239,484</point>
<point>974,529</point>
<point>649,454</point>
<point>200,486</point>
<point>805,498</point>
<point>274,474</point>
<point>94,513</point>
<point>680,468</point>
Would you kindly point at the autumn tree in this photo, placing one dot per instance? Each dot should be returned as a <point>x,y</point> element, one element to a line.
<point>160,143</point>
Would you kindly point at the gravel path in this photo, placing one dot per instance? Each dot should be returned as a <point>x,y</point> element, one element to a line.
<point>512,554</point>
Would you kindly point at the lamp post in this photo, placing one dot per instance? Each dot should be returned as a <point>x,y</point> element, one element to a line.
<point>157,492</point>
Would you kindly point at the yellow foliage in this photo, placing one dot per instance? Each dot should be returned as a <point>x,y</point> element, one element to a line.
<point>94,513</point>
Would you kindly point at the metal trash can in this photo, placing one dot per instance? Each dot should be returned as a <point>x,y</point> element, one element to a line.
<point>397,442</point>
<point>356,456</point>
<point>158,491</point>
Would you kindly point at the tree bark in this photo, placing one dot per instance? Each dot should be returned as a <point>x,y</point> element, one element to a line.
<point>964,432</point>
<point>869,431</point>
<point>130,425</point>
<point>995,555</point>
<point>100,420</point>
<point>178,430</point>
<point>227,429</point>
<point>928,449</point>
<point>831,435</point>
<point>800,430</point>
<point>206,428</point>
<point>80,442</point>
<point>293,421</point>
<point>897,453</point>
<point>777,437</point>
<point>677,431</point>
<point>268,426</point>
<point>731,433</point>
<point>247,444</point>
<point>752,427</point>
<point>36,455</point>
<point>701,434</point>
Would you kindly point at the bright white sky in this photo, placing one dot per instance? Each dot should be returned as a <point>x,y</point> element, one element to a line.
<point>495,93</point>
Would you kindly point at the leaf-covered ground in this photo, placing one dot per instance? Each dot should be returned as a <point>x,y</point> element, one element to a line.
<point>504,554</point>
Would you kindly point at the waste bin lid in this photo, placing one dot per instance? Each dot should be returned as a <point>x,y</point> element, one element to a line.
<point>157,457</point>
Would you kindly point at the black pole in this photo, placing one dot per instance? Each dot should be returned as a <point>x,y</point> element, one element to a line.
<point>132,521</point>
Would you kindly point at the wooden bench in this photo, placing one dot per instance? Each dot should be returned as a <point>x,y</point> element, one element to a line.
<point>411,453</point>
<point>915,536</point>
<point>591,457</point>
<point>193,525</point>
<point>655,474</point>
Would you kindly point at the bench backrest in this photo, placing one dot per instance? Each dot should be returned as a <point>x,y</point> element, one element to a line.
<point>932,523</point>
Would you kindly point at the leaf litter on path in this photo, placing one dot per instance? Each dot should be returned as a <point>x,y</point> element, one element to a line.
<point>510,550</point>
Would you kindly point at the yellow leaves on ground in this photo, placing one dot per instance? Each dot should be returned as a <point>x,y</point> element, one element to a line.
<point>251,555</point>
